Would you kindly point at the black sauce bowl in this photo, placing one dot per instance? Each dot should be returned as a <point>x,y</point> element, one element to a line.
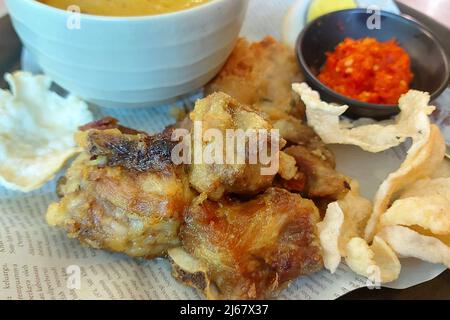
<point>428,59</point>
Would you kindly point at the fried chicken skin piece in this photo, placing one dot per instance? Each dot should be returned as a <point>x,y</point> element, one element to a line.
<point>224,115</point>
<point>122,193</point>
<point>247,249</point>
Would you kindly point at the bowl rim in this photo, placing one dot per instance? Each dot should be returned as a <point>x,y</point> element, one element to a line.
<point>361,104</point>
<point>121,19</point>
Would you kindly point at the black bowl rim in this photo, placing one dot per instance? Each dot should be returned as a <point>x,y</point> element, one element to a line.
<point>360,104</point>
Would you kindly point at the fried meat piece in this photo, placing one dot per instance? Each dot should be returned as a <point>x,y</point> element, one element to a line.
<point>317,177</point>
<point>224,114</point>
<point>261,74</point>
<point>248,250</point>
<point>123,194</point>
<point>108,123</point>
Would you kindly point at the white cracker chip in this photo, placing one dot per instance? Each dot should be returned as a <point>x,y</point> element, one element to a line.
<point>324,118</point>
<point>409,243</point>
<point>37,129</point>
<point>424,156</point>
<point>357,211</point>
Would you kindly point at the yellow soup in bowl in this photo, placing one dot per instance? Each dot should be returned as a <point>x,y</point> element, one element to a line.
<point>126,7</point>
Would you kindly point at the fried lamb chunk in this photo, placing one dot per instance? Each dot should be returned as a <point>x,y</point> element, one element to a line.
<point>247,249</point>
<point>223,114</point>
<point>123,194</point>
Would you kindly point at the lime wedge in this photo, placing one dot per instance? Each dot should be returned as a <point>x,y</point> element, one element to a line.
<point>318,8</point>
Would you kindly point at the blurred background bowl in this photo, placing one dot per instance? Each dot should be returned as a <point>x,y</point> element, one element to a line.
<point>129,61</point>
<point>429,62</point>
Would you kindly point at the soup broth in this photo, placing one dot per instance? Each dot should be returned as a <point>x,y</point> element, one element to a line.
<point>126,7</point>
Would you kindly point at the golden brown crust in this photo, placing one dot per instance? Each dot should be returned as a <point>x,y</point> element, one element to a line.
<point>253,249</point>
<point>123,194</point>
<point>260,74</point>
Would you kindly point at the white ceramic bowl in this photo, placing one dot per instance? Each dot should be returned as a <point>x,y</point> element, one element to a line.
<point>129,62</point>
